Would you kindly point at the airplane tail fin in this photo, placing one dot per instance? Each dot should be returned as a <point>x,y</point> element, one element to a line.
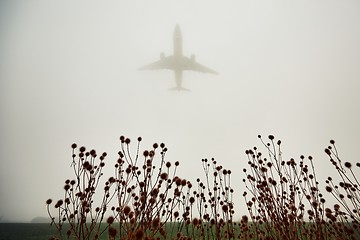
<point>179,89</point>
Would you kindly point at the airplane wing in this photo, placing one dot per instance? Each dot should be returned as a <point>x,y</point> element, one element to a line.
<point>190,64</point>
<point>164,63</point>
<point>180,63</point>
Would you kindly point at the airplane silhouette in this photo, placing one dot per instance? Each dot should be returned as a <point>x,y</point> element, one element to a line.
<point>178,62</point>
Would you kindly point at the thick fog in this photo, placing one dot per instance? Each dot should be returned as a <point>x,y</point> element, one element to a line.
<point>69,73</point>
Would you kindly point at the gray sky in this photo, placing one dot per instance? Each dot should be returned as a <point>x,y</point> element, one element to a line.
<point>68,73</point>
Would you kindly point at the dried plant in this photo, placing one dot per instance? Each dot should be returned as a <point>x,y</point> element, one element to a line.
<point>145,198</point>
<point>286,202</point>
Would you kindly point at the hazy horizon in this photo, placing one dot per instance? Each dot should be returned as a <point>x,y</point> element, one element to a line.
<point>69,73</point>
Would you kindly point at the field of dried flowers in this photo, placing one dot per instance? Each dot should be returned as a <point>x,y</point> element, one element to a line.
<point>146,199</point>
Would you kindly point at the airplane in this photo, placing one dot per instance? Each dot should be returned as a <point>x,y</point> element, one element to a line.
<point>178,62</point>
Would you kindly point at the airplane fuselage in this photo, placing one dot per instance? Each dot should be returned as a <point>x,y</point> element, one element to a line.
<point>177,42</point>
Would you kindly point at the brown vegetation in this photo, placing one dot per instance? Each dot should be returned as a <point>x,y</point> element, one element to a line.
<point>145,199</point>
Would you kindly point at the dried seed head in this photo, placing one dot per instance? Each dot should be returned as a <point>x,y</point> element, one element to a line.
<point>110,220</point>
<point>348,164</point>
<point>225,208</point>
<point>127,210</point>
<point>67,187</point>
<point>164,176</point>
<point>59,203</point>
<point>183,182</point>
<point>327,151</point>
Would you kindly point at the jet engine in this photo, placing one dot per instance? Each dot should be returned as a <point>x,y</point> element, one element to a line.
<point>193,57</point>
<point>162,56</point>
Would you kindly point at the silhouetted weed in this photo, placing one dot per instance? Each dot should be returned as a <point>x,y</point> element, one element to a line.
<point>146,199</point>
<point>284,200</point>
